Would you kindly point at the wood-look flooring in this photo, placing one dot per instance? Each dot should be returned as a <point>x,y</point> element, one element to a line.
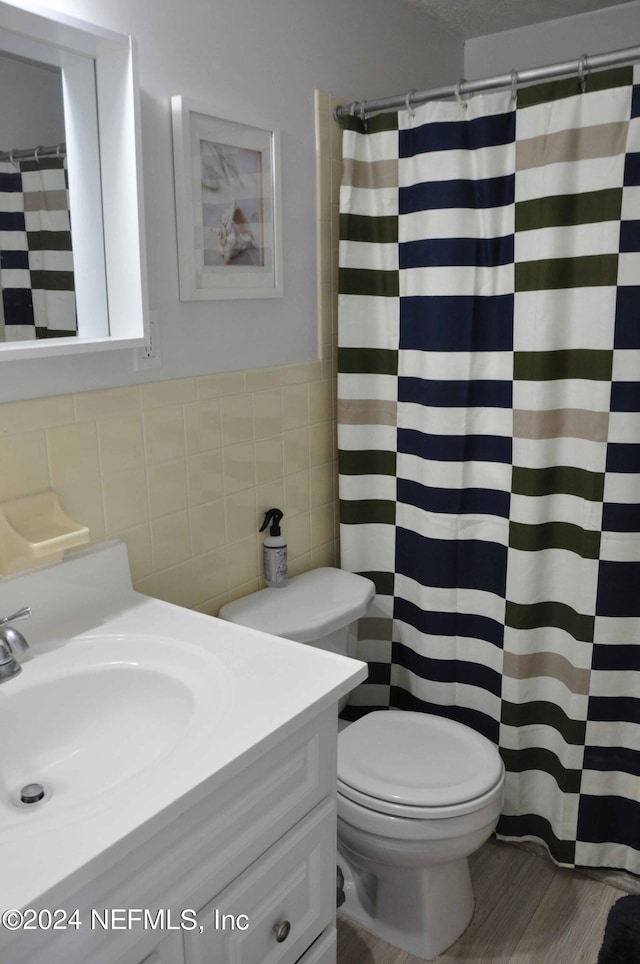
<point>528,911</point>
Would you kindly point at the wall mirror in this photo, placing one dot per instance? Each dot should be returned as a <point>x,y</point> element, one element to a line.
<point>83,280</point>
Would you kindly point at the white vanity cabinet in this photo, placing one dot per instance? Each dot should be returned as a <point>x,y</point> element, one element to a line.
<point>190,769</point>
<point>245,875</point>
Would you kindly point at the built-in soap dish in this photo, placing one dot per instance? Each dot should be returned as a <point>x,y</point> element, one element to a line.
<point>34,531</point>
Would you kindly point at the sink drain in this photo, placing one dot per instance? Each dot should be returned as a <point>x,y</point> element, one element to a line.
<point>31,795</point>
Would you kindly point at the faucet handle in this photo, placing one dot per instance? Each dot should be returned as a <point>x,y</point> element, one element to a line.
<point>23,613</point>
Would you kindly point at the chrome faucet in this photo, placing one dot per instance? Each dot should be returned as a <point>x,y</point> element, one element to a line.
<point>12,644</point>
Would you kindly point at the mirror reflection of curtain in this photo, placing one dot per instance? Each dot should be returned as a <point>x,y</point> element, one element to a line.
<point>36,259</point>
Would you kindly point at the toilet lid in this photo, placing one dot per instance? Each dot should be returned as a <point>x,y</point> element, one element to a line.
<point>416,759</point>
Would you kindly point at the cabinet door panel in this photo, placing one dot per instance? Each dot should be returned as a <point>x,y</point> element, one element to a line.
<point>289,893</point>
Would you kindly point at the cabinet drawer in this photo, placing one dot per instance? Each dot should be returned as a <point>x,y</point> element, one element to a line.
<point>292,884</point>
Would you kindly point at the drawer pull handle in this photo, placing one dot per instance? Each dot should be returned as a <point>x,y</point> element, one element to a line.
<point>281,931</point>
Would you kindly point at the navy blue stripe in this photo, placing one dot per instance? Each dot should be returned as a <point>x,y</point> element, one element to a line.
<point>625,397</point>
<point>440,252</point>
<point>616,656</point>
<point>635,101</point>
<point>627,326</point>
<point>480,722</point>
<point>452,563</point>
<point>618,589</point>
<point>14,259</point>
<point>456,625</point>
<point>11,183</point>
<point>490,192</point>
<point>447,670</point>
<point>455,448</point>
<point>462,135</point>
<point>631,170</point>
<point>629,236</point>
<point>612,758</point>
<point>455,393</point>
<point>623,457</point>
<point>18,306</point>
<point>617,517</point>
<point>609,820</point>
<point>614,709</point>
<point>454,501</point>
<point>457,323</point>
<point>12,221</point>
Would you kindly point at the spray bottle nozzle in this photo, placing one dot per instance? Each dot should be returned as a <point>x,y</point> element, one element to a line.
<point>272,517</point>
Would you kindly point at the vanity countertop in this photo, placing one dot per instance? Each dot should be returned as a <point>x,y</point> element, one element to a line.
<point>250,691</point>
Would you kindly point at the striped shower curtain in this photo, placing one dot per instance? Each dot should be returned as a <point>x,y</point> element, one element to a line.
<point>36,258</point>
<point>489,438</point>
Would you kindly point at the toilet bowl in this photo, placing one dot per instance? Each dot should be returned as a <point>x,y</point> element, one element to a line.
<point>417,793</point>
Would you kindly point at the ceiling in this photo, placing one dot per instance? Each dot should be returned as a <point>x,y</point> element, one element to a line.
<point>475,18</point>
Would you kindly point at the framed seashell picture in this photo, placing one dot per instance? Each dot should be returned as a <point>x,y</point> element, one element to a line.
<point>227,181</point>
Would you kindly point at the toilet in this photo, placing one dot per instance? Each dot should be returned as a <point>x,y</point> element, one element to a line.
<point>417,793</point>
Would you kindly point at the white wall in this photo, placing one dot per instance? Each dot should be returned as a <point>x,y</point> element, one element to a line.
<point>36,117</point>
<point>554,41</point>
<point>264,58</point>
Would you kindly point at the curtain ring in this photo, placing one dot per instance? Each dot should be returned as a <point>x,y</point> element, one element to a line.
<point>514,85</point>
<point>58,154</point>
<point>458,92</point>
<point>35,154</point>
<point>362,113</point>
<point>407,102</point>
<point>583,70</point>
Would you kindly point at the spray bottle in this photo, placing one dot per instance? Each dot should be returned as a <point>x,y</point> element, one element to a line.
<point>276,572</point>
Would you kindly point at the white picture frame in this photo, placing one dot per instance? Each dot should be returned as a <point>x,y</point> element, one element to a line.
<point>227,184</point>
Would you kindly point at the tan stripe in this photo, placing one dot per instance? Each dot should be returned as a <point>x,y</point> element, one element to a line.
<point>367,411</point>
<point>561,423</point>
<point>370,174</point>
<point>375,627</point>
<point>45,201</point>
<point>547,664</point>
<point>579,144</point>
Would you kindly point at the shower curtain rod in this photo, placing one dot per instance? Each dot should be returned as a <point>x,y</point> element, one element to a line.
<point>33,153</point>
<point>582,66</point>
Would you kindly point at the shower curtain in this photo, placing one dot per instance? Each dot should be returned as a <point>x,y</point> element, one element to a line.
<point>489,438</point>
<point>36,259</point>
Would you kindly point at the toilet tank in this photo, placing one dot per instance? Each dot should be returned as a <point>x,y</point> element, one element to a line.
<point>319,607</point>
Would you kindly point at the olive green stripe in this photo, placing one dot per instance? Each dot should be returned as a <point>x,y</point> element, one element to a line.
<point>584,272</point>
<point>384,581</point>
<point>379,122</point>
<point>537,758</point>
<point>367,511</point>
<point>362,281</point>
<point>554,479</point>
<point>366,462</point>
<point>559,89</point>
<point>565,210</point>
<point>541,713</point>
<point>535,827</point>
<point>593,364</point>
<point>554,535</point>
<point>359,227</point>
<point>374,361</point>
<point>556,614</point>
<point>52,280</point>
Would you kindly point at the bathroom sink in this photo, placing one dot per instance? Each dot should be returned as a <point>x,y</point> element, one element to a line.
<point>131,713</point>
<point>97,713</point>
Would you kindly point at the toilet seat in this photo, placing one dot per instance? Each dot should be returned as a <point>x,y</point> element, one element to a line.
<point>416,765</point>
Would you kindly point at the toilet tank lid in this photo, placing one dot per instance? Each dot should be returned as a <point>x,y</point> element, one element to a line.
<point>311,605</point>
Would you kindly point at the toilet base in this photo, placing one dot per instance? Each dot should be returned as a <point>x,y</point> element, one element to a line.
<point>422,911</point>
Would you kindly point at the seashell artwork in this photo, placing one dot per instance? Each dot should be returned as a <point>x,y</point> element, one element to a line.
<point>234,234</point>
